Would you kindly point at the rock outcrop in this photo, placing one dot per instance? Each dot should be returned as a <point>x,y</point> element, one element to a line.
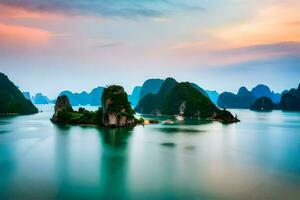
<point>62,104</point>
<point>263,104</point>
<point>117,111</point>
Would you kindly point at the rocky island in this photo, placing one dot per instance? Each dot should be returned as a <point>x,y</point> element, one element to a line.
<point>12,100</point>
<point>182,99</point>
<point>115,111</point>
<point>263,104</point>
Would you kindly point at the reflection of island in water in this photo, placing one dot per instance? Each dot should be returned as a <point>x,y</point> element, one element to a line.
<point>116,137</point>
<point>107,178</point>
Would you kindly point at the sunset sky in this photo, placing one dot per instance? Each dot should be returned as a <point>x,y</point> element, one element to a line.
<point>55,45</point>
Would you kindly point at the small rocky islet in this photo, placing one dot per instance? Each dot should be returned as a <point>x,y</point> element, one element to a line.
<point>264,104</point>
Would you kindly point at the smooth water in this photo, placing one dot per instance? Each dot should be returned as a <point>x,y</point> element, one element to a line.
<point>258,158</point>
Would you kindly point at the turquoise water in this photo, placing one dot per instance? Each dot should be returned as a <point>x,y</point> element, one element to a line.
<point>258,158</point>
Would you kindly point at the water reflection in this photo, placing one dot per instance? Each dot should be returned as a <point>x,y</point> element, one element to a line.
<point>62,159</point>
<point>177,130</point>
<point>114,163</point>
<point>116,137</point>
<point>255,159</point>
<point>109,171</point>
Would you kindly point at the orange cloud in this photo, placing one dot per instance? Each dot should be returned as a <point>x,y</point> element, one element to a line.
<point>272,25</point>
<point>16,36</point>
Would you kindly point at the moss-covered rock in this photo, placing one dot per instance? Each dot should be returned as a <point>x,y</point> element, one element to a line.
<point>117,111</point>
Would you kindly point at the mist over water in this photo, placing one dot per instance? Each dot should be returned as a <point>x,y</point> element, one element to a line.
<point>258,158</point>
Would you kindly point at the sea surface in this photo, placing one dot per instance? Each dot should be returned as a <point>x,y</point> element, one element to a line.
<point>258,158</point>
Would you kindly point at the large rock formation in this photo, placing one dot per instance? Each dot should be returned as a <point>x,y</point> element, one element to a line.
<point>263,104</point>
<point>182,99</point>
<point>290,100</point>
<point>62,105</point>
<point>12,100</point>
<point>117,111</point>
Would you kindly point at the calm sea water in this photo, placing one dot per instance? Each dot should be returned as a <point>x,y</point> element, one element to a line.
<point>258,158</point>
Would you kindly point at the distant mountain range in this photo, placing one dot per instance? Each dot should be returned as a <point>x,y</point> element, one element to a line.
<point>264,91</point>
<point>245,99</point>
<point>93,98</point>
<point>39,98</point>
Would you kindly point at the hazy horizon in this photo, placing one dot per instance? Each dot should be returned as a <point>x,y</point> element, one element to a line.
<point>50,46</point>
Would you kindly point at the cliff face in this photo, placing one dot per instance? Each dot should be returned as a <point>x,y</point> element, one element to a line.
<point>62,105</point>
<point>117,111</point>
<point>12,100</point>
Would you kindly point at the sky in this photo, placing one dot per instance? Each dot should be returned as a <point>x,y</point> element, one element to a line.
<point>55,45</point>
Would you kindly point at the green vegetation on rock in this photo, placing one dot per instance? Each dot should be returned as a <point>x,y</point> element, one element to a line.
<point>116,108</point>
<point>12,101</point>
<point>182,99</point>
<point>115,112</point>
